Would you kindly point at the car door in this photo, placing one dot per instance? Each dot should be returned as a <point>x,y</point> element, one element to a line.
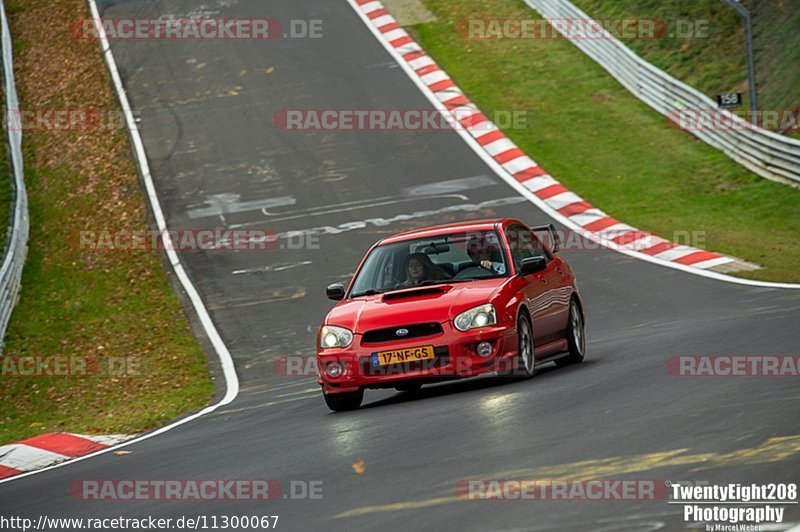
<point>541,289</point>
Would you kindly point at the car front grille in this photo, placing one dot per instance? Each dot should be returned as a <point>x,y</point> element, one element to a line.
<point>419,330</point>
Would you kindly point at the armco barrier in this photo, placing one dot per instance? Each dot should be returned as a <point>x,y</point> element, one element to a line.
<point>17,241</point>
<point>768,154</point>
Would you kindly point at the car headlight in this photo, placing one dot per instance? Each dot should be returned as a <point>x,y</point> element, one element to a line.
<point>333,336</point>
<point>473,318</point>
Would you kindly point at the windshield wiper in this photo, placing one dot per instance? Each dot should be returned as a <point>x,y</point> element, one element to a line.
<point>444,281</point>
<point>429,282</point>
<point>370,292</point>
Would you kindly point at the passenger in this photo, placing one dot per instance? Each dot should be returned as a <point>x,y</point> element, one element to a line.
<point>419,268</point>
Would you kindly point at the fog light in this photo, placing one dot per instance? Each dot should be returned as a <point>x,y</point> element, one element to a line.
<point>484,349</point>
<point>334,369</point>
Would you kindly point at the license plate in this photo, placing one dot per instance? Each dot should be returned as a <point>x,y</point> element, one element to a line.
<point>400,356</point>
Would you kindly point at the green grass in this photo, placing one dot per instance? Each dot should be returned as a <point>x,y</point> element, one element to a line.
<point>599,140</point>
<point>89,305</point>
<point>105,305</point>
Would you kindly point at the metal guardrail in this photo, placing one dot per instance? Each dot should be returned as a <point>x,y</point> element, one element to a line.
<point>763,152</point>
<point>17,240</point>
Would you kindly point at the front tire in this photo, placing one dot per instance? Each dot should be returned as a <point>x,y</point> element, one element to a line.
<point>526,364</point>
<point>342,402</point>
<point>576,337</point>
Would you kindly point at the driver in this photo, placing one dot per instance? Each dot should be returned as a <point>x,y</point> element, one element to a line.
<point>480,255</point>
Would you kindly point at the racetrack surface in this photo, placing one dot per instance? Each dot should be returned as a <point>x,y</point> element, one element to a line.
<point>207,112</point>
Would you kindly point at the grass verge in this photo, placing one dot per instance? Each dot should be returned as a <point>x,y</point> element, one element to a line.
<point>607,146</point>
<point>109,306</point>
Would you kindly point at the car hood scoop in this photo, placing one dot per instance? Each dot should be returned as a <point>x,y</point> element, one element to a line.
<point>418,292</point>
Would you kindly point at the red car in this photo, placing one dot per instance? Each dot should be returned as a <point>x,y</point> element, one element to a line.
<point>446,302</point>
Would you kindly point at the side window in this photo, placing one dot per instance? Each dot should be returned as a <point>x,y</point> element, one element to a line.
<point>523,244</point>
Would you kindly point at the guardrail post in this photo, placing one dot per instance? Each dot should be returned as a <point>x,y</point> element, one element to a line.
<point>747,19</point>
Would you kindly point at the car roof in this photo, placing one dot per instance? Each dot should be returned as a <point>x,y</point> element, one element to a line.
<point>438,230</point>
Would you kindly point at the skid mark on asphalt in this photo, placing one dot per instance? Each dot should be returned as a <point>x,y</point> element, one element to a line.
<point>279,267</point>
<point>259,171</point>
<point>277,395</point>
<point>268,404</point>
<point>357,225</point>
<point>220,204</point>
<point>314,390</point>
<point>272,296</point>
<point>638,523</point>
<point>203,11</point>
<point>267,388</point>
<point>448,189</point>
<point>773,450</point>
<point>226,92</point>
<point>352,206</point>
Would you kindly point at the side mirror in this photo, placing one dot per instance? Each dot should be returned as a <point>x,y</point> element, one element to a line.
<point>532,265</point>
<point>335,291</point>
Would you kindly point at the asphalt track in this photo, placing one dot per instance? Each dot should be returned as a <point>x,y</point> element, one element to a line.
<point>207,122</point>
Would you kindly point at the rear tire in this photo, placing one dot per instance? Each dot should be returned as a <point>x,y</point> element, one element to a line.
<point>576,337</point>
<point>342,402</point>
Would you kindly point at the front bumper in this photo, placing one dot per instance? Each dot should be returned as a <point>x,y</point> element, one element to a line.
<point>455,357</point>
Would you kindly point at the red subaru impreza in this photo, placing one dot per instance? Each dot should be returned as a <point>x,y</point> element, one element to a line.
<point>447,302</point>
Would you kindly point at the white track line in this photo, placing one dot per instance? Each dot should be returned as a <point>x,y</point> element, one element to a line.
<point>226,361</point>
<point>396,53</point>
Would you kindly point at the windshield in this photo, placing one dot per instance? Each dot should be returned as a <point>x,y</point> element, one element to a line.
<point>458,257</point>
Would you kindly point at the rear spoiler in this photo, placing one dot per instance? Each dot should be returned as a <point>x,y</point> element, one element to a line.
<point>552,240</point>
